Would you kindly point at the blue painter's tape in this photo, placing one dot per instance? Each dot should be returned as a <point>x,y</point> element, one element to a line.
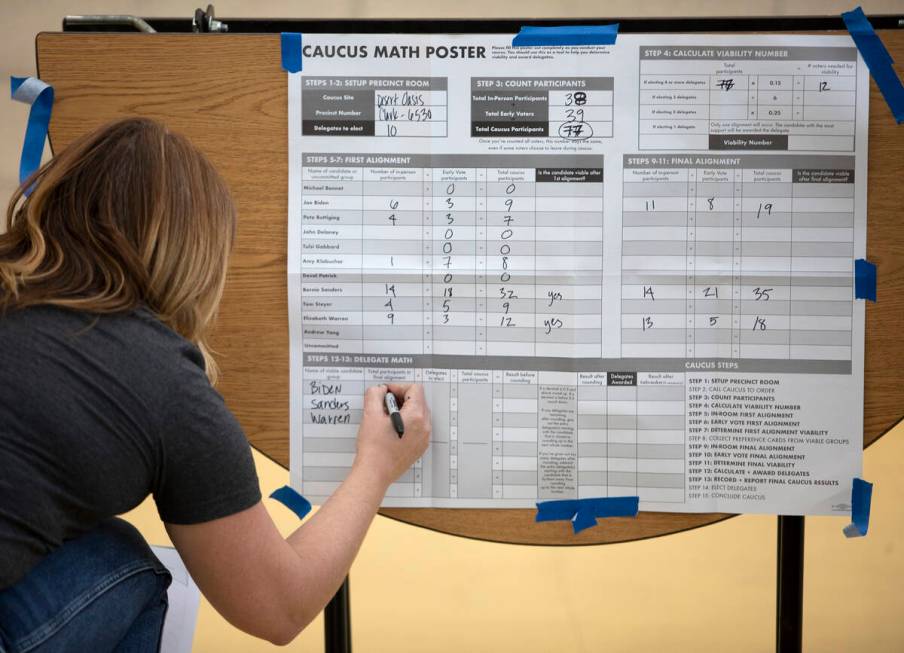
<point>557,510</point>
<point>566,35</point>
<point>859,26</point>
<point>290,43</point>
<point>861,500</point>
<point>583,513</point>
<point>877,59</point>
<point>864,279</point>
<point>292,500</point>
<point>38,94</point>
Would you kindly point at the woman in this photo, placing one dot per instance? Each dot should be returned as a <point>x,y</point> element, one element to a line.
<point>110,276</point>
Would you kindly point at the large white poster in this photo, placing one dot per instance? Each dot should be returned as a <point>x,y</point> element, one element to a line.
<point>617,270</point>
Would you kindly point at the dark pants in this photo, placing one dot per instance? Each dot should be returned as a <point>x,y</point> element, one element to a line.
<point>103,591</point>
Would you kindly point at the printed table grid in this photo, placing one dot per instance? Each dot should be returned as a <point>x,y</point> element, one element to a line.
<point>512,435</point>
<point>453,260</point>
<point>738,261</point>
<point>804,99</point>
<point>375,106</point>
<point>572,108</point>
<point>751,97</point>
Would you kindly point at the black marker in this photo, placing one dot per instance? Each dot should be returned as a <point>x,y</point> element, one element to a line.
<point>393,409</point>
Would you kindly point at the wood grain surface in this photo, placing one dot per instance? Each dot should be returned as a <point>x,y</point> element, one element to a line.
<point>228,93</point>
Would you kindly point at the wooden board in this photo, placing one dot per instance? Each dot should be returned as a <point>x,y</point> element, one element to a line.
<point>229,95</point>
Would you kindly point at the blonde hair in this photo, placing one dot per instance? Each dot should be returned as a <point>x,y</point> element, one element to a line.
<point>129,215</point>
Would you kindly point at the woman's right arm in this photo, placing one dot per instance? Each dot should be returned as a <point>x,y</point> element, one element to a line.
<point>272,587</point>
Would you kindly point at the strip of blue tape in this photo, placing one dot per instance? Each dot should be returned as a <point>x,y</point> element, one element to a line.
<point>39,95</point>
<point>877,59</point>
<point>566,35</point>
<point>861,501</point>
<point>290,43</point>
<point>292,500</point>
<point>583,513</point>
<point>864,279</point>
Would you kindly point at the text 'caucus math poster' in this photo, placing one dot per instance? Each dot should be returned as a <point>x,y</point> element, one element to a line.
<point>617,270</point>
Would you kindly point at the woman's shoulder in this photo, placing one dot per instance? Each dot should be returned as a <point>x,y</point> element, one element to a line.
<point>134,339</point>
<point>174,343</point>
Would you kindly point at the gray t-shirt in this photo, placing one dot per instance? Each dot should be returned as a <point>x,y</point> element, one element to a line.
<point>97,412</point>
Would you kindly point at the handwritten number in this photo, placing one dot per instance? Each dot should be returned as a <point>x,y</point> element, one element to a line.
<point>767,207</point>
<point>762,294</point>
<point>577,98</point>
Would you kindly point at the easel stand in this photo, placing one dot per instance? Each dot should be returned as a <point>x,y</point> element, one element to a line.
<point>337,622</point>
<point>789,603</point>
